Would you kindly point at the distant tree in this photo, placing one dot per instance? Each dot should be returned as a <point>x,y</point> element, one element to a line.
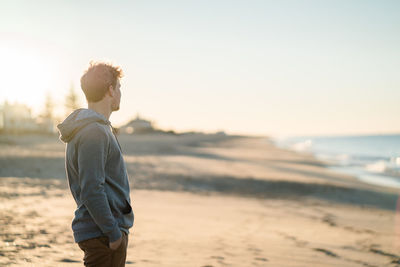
<point>45,120</point>
<point>71,100</point>
<point>48,111</point>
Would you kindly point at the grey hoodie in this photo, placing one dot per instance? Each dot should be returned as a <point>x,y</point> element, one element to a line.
<point>97,176</point>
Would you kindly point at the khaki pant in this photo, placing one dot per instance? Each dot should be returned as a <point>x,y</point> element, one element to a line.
<point>98,253</point>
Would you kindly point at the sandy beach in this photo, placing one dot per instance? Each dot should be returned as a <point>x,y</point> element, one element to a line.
<point>201,200</point>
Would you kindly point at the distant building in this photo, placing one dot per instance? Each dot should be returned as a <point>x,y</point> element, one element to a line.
<point>46,124</point>
<point>17,118</point>
<point>137,125</point>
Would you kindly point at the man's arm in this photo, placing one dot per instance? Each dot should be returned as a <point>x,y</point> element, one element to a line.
<point>92,155</point>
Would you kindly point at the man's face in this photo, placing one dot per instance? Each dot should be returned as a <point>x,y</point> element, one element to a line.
<point>117,97</point>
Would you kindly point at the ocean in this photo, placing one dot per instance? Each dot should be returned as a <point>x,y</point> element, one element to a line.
<point>374,159</point>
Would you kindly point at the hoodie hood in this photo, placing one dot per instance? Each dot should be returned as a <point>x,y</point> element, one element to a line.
<point>77,120</point>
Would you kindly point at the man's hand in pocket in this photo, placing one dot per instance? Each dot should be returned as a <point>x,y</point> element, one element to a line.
<point>115,245</point>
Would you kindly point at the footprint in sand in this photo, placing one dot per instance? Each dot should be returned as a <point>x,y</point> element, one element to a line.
<point>220,259</point>
<point>329,219</point>
<point>395,258</point>
<point>299,243</point>
<point>261,259</point>
<point>217,257</point>
<point>254,249</point>
<point>327,252</point>
<point>68,260</point>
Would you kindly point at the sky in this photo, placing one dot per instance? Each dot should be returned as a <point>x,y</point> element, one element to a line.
<point>246,67</point>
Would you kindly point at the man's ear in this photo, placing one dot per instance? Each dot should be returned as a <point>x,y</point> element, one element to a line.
<point>111,90</point>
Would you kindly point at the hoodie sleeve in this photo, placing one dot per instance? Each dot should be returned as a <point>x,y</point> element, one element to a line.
<point>92,155</point>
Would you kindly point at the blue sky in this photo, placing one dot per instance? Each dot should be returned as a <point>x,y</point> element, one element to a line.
<point>255,67</point>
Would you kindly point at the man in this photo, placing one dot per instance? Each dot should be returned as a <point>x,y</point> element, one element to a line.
<point>96,171</point>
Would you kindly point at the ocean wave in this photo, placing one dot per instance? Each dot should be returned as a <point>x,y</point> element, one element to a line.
<point>371,157</point>
<point>377,167</point>
<point>303,146</point>
<point>391,167</point>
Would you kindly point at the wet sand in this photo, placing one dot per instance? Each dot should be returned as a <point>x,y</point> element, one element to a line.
<point>201,200</point>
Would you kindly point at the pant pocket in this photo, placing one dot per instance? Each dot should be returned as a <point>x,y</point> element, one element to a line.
<point>105,241</point>
<point>98,243</point>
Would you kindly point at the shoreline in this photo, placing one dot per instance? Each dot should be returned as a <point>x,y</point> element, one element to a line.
<point>206,149</point>
<point>379,170</point>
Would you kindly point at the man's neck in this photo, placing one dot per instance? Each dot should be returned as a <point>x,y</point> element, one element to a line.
<point>101,107</point>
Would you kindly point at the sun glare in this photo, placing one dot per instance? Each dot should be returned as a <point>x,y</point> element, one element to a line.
<point>27,75</point>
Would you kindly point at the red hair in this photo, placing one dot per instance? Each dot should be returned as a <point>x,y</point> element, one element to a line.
<point>98,78</point>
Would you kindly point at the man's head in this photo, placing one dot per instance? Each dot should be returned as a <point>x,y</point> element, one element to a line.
<point>101,82</point>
